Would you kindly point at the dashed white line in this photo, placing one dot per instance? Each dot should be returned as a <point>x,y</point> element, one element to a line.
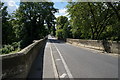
<point>58,59</point>
<point>63,75</point>
<point>65,65</point>
<point>54,66</point>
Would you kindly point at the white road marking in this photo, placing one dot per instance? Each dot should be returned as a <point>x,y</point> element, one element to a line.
<point>58,59</point>
<point>65,65</point>
<point>47,44</point>
<point>63,75</point>
<point>54,66</point>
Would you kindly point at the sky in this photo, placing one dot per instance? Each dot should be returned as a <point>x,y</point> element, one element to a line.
<point>11,4</point>
<point>62,8</point>
<point>14,4</point>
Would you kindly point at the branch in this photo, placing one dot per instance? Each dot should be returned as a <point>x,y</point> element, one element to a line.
<point>103,25</point>
<point>114,9</point>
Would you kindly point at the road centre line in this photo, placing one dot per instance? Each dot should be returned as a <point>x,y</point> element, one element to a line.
<point>58,59</point>
<point>63,75</point>
<point>54,66</point>
<point>64,63</point>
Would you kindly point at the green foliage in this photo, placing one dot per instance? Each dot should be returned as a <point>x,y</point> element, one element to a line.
<point>59,34</point>
<point>53,31</point>
<point>92,20</point>
<point>7,48</point>
<point>10,48</point>
<point>63,30</point>
<point>61,21</point>
<point>31,21</point>
<point>7,29</point>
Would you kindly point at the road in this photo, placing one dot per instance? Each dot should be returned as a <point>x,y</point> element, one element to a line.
<point>63,60</point>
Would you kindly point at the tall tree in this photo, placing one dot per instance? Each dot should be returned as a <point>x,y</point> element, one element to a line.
<point>62,27</point>
<point>7,29</point>
<point>91,19</point>
<point>32,17</point>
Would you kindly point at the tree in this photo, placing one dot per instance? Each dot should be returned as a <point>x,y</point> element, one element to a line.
<point>116,8</point>
<point>92,19</point>
<point>31,18</point>
<point>7,29</point>
<point>62,27</point>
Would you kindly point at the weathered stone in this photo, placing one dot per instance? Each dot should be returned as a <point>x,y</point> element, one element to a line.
<point>17,65</point>
<point>107,46</point>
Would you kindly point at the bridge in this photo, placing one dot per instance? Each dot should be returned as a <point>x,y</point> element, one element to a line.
<point>60,60</point>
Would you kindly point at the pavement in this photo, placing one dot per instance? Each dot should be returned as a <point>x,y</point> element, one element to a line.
<point>63,61</point>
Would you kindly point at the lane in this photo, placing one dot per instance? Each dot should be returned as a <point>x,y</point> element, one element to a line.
<point>62,72</point>
<point>64,63</point>
<point>42,67</point>
<point>86,64</point>
<point>48,70</point>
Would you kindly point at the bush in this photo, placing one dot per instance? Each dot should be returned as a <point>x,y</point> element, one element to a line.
<point>59,34</point>
<point>10,48</point>
<point>16,45</point>
<point>7,48</point>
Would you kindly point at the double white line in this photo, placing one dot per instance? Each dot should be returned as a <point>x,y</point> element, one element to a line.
<point>64,63</point>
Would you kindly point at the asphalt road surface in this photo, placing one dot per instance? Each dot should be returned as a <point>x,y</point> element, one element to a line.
<point>63,60</point>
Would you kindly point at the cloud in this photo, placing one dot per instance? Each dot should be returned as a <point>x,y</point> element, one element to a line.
<point>12,6</point>
<point>12,3</point>
<point>62,12</point>
<point>57,15</point>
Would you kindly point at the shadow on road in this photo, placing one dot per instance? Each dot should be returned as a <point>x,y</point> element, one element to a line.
<point>36,71</point>
<point>56,41</point>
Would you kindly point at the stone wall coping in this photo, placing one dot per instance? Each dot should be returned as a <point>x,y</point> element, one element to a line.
<point>107,46</point>
<point>24,51</point>
<point>93,40</point>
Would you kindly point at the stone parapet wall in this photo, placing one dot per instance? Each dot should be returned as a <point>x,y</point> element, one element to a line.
<point>17,65</point>
<point>108,46</point>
